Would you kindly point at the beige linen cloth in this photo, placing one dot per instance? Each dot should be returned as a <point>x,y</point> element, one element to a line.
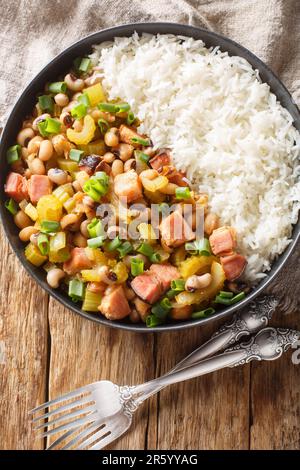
<point>33,31</point>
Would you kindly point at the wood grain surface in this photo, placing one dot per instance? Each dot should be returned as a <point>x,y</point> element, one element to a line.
<point>46,350</point>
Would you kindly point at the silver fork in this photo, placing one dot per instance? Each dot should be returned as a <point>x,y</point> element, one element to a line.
<point>93,413</point>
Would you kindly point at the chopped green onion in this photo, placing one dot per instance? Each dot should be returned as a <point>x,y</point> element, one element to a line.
<point>46,103</point>
<point>183,193</point>
<point>238,297</point>
<point>75,154</point>
<point>49,226</point>
<point>203,313</point>
<point>49,126</point>
<point>57,242</point>
<point>103,124</point>
<point>178,285</point>
<point>43,244</point>
<point>166,304</point>
<point>84,64</point>
<point>161,309</point>
<point>145,249</point>
<point>114,244</point>
<point>79,111</point>
<point>226,295</point>
<point>141,141</point>
<point>97,186</point>
<point>11,206</point>
<point>57,87</point>
<point>124,249</point>
<point>13,154</point>
<point>95,242</point>
<point>95,228</point>
<point>123,107</point>
<point>152,321</point>
<point>108,107</point>
<point>171,294</point>
<point>222,300</point>
<point>76,63</point>
<point>136,266</point>
<point>130,118</point>
<point>76,290</point>
<point>200,247</point>
<point>84,99</point>
<point>142,156</point>
<point>155,258</point>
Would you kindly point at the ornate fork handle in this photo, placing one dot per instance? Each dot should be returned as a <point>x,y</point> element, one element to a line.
<point>247,322</point>
<point>269,344</point>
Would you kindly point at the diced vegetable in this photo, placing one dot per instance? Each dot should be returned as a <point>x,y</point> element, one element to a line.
<point>79,111</point>
<point>97,186</point>
<point>84,99</point>
<point>48,226</point>
<point>95,94</point>
<point>91,301</point>
<point>31,211</point>
<point>43,243</point>
<point>195,265</point>
<point>39,186</point>
<point>60,256</point>
<point>156,184</point>
<point>76,290</point>
<point>57,87</point>
<point>84,136</point>
<point>121,271</point>
<point>11,206</point>
<point>49,208</point>
<point>97,147</point>
<point>124,249</point>
<point>183,193</point>
<point>84,64</point>
<point>103,125</point>
<point>95,242</point>
<point>34,256</point>
<point>49,126</point>
<point>203,313</point>
<point>152,321</point>
<point>114,244</point>
<point>75,155</point>
<point>199,247</point>
<point>147,232</point>
<point>67,165</point>
<point>95,228</point>
<point>58,241</point>
<point>70,204</point>
<point>218,279</point>
<point>13,154</point>
<point>46,103</point>
<point>136,266</point>
<point>91,275</point>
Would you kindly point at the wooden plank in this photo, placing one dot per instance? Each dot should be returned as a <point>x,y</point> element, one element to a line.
<point>275,386</point>
<point>23,351</point>
<point>210,412</point>
<point>84,352</point>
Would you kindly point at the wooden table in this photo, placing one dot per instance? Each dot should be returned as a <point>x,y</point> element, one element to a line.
<point>46,350</point>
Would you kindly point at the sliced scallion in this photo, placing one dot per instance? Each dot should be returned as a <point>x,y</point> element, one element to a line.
<point>84,99</point>
<point>49,226</point>
<point>46,103</point>
<point>95,228</point>
<point>145,249</point>
<point>136,266</point>
<point>142,156</point>
<point>152,321</point>
<point>57,87</point>
<point>203,313</point>
<point>238,297</point>
<point>95,242</point>
<point>124,249</point>
<point>178,285</point>
<point>49,126</point>
<point>79,111</point>
<point>140,141</point>
<point>108,107</point>
<point>225,294</point>
<point>75,155</point>
<point>43,244</point>
<point>76,290</point>
<point>114,244</point>
<point>13,154</point>
<point>123,107</point>
<point>130,118</point>
<point>103,125</point>
<point>84,64</point>
<point>182,192</point>
<point>11,206</point>
<point>200,247</point>
<point>155,258</point>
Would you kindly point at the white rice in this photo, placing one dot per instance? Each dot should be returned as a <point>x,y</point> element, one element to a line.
<point>224,127</point>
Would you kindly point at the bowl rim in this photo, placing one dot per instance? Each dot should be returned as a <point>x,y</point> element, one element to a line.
<point>140,28</point>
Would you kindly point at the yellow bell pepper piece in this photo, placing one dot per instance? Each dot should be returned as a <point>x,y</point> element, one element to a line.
<point>86,134</point>
<point>34,256</point>
<point>90,275</point>
<point>96,147</point>
<point>49,208</point>
<point>95,94</point>
<point>60,256</point>
<point>31,211</point>
<point>96,255</point>
<point>121,271</point>
<point>195,265</point>
<point>209,293</point>
<point>67,165</point>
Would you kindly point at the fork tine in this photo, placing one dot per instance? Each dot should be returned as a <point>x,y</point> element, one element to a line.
<point>106,439</point>
<point>60,399</point>
<point>83,433</point>
<point>79,412</point>
<point>61,438</point>
<point>90,440</point>
<point>73,424</point>
<point>73,404</point>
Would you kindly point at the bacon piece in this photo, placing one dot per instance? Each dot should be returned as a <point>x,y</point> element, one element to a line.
<point>16,187</point>
<point>114,304</point>
<point>128,185</point>
<point>77,261</point>
<point>175,231</point>
<point>233,265</point>
<point>223,241</point>
<point>39,185</point>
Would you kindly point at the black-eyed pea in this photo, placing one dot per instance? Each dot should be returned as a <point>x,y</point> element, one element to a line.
<point>125,151</point>
<point>117,168</point>
<point>34,144</point>
<point>54,277</point>
<point>36,166</point>
<point>61,99</point>
<point>74,83</point>
<point>79,240</point>
<point>69,221</point>
<point>58,176</point>
<point>24,136</point>
<point>130,164</point>
<point>46,150</point>
<point>111,137</point>
<point>211,223</point>
<point>26,233</point>
<point>108,157</point>
<point>83,228</point>
<point>22,220</point>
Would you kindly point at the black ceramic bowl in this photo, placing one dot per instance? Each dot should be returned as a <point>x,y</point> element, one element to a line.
<point>60,65</point>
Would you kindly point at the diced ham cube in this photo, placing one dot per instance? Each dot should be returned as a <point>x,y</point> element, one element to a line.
<point>233,265</point>
<point>165,273</point>
<point>160,160</point>
<point>152,284</point>
<point>178,178</point>
<point>127,133</point>
<point>147,287</point>
<point>175,231</point>
<point>128,185</point>
<point>223,241</point>
<point>114,304</point>
<point>39,185</point>
<point>16,187</point>
<point>77,261</point>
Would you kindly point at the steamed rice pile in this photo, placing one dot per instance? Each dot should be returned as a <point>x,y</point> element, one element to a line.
<point>225,128</point>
